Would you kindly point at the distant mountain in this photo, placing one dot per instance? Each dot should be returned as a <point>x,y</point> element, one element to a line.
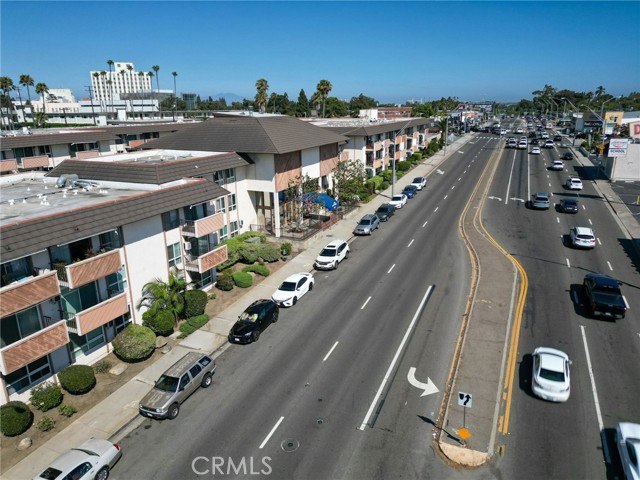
<point>229,97</point>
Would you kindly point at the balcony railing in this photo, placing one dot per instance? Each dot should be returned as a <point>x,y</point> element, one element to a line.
<point>93,317</point>
<point>204,226</point>
<point>88,270</point>
<point>208,260</point>
<point>28,292</point>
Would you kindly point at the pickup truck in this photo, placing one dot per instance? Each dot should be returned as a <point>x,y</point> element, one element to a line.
<point>604,297</point>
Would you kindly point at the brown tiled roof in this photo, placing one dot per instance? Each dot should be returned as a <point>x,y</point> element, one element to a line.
<point>153,173</point>
<point>29,236</point>
<point>248,134</point>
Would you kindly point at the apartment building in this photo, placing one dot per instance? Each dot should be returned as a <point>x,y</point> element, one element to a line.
<point>123,78</point>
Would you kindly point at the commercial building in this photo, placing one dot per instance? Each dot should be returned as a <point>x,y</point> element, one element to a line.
<point>123,78</point>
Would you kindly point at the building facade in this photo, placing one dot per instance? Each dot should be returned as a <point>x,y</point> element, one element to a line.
<point>123,78</point>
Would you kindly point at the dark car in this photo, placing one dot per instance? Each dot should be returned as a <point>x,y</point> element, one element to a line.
<point>568,205</point>
<point>410,191</point>
<point>535,141</point>
<point>567,156</point>
<point>604,297</point>
<point>557,138</point>
<point>385,212</point>
<point>253,321</point>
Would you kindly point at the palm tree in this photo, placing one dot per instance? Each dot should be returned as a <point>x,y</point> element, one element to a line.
<point>103,74</point>
<point>159,295</point>
<point>140,76</point>
<point>122,74</point>
<point>324,87</point>
<point>261,97</point>
<point>599,91</point>
<point>6,85</point>
<point>130,70</point>
<point>150,74</point>
<point>175,97</point>
<point>155,68</point>
<point>26,81</point>
<point>316,100</point>
<point>41,88</point>
<point>110,63</point>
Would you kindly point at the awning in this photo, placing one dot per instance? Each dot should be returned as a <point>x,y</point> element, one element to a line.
<point>323,198</point>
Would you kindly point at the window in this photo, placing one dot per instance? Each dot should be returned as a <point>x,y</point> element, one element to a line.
<point>232,202</point>
<point>174,255</point>
<point>223,233</point>
<point>18,326</point>
<point>26,376</point>
<point>184,381</point>
<point>230,175</point>
<point>83,344</point>
<point>15,270</point>
<point>202,280</point>
<point>78,472</point>
<point>234,229</point>
<point>110,240</point>
<point>170,220</point>
<point>121,322</point>
<point>195,370</point>
<point>218,178</point>
<point>220,205</point>
<point>116,282</point>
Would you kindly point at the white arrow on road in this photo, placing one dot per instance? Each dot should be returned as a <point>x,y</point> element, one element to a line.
<point>428,387</point>
<point>440,171</point>
<point>495,198</point>
<point>459,151</point>
<point>516,199</point>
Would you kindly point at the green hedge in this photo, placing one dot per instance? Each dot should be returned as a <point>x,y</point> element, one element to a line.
<point>249,253</point>
<point>160,322</point>
<point>242,279</point>
<point>269,252</point>
<point>225,281</point>
<point>259,269</point>
<point>403,166</point>
<point>15,418</point>
<point>234,248</point>
<point>195,302</point>
<point>134,343</point>
<point>77,379</point>
<point>46,396</point>
<point>192,324</point>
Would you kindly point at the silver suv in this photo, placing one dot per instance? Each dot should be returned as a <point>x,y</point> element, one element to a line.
<point>367,225</point>
<point>176,384</point>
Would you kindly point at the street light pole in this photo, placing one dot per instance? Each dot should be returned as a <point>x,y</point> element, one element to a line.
<point>604,125</point>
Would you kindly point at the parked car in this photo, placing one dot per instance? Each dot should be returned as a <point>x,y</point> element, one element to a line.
<point>582,237</point>
<point>91,460</point>
<point>176,384</point>
<point>540,201</point>
<point>419,182</point>
<point>628,442</point>
<point>604,297</point>
<point>367,225</point>
<point>332,255</point>
<point>551,379</point>
<point>399,200</point>
<point>557,165</point>
<point>567,156</point>
<point>568,205</point>
<point>293,288</point>
<point>574,183</point>
<point>410,191</point>
<point>385,212</point>
<point>253,321</point>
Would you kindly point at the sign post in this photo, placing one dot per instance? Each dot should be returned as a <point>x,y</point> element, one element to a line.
<point>465,400</point>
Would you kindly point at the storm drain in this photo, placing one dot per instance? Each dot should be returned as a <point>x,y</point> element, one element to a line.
<point>320,420</point>
<point>290,445</point>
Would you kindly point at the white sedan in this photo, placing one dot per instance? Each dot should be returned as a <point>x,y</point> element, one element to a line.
<point>557,165</point>
<point>628,441</point>
<point>550,379</point>
<point>292,289</point>
<point>574,183</point>
<point>535,150</point>
<point>399,200</point>
<point>419,182</point>
<point>91,460</point>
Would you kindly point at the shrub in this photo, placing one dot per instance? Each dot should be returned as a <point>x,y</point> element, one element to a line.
<point>259,269</point>
<point>403,166</point>
<point>286,249</point>
<point>77,379</point>
<point>194,303</point>
<point>15,418</point>
<point>225,281</point>
<point>103,366</point>
<point>161,322</point>
<point>234,247</point>
<point>269,252</point>
<point>387,174</point>
<point>384,185</point>
<point>192,324</point>
<point>46,423</point>
<point>134,343</point>
<point>67,410</point>
<point>249,252</point>
<point>211,296</point>
<point>242,279</point>
<point>46,396</point>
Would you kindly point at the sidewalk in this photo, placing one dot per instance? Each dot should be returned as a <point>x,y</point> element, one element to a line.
<point>117,415</point>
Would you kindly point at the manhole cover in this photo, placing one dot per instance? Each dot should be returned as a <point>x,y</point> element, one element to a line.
<point>320,420</point>
<point>290,445</point>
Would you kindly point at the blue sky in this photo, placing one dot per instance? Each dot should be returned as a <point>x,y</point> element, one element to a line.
<point>391,51</point>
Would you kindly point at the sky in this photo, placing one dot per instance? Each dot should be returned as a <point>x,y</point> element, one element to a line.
<point>390,51</point>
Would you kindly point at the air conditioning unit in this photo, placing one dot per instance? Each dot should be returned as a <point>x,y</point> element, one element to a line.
<point>187,246</point>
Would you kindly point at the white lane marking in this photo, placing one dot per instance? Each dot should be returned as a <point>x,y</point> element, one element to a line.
<point>410,242</point>
<point>583,207</point>
<point>626,304</point>
<point>464,171</point>
<point>392,267</point>
<point>395,359</point>
<point>598,241</point>
<point>558,219</point>
<point>330,351</point>
<point>436,209</point>
<point>365,303</point>
<point>445,197</point>
<point>271,432</point>
<point>595,392</point>
<point>549,183</point>
<point>568,264</point>
<point>425,224</point>
<point>590,223</point>
<point>453,187</point>
<point>506,197</point>
<point>609,264</point>
<point>460,178</point>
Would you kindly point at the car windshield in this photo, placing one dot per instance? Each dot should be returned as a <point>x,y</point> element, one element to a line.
<point>365,222</point>
<point>328,252</point>
<point>50,473</point>
<point>397,198</point>
<point>287,287</point>
<point>248,317</point>
<point>167,384</point>
<point>551,375</point>
<point>417,180</point>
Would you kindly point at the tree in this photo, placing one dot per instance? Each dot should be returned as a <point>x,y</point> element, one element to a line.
<point>361,102</point>
<point>130,70</point>
<point>6,85</point>
<point>110,63</point>
<point>150,75</point>
<point>158,295</point>
<point>262,86</point>
<point>324,87</point>
<point>155,68</point>
<point>41,88</point>
<point>141,75</point>
<point>300,200</point>
<point>122,74</point>
<point>103,74</point>
<point>348,179</point>
<point>27,81</point>
<point>175,95</point>
<point>316,101</point>
<point>336,107</point>
<point>302,107</point>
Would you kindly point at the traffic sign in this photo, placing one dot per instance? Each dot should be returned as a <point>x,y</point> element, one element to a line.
<point>465,399</point>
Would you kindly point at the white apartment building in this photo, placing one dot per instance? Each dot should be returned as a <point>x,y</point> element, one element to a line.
<point>122,79</point>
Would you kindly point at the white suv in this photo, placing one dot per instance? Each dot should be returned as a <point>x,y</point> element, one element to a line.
<point>582,237</point>
<point>332,255</point>
<point>574,183</point>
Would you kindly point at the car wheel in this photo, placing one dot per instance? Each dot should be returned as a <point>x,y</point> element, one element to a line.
<point>295,300</point>
<point>174,410</point>
<point>346,255</point>
<point>102,474</point>
<point>206,381</point>
<point>256,336</point>
<point>335,265</point>
<point>275,316</point>
<point>311,286</point>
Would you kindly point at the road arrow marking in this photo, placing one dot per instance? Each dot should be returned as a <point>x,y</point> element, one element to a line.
<point>428,387</point>
<point>495,198</point>
<point>460,152</point>
<point>517,199</point>
<point>440,171</point>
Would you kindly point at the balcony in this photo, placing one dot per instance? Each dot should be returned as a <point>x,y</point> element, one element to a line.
<point>203,226</point>
<point>28,292</point>
<point>93,317</point>
<point>88,270</point>
<point>33,347</point>
<point>207,261</point>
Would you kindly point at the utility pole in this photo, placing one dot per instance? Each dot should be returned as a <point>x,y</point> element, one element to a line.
<point>89,89</point>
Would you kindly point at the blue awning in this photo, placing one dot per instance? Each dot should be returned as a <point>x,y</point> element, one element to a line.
<point>329,203</point>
